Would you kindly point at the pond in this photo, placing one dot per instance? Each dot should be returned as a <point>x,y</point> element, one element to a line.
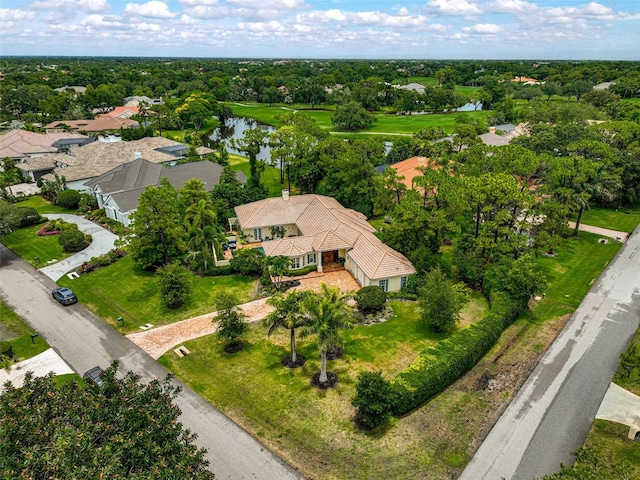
<point>234,129</point>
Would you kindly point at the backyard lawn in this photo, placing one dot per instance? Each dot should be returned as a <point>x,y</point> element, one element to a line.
<point>123,289</point>
<point>43,206</point>
<point>270,177</point>
<point>623,219</point>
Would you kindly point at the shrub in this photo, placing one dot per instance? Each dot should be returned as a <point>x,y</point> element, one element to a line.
<point>68,199</point>
<point>73,240</point>
<point>87,203</point>
<point>371,299</point>
<point>373,399</point>
<point>247,261</point>
<point>175,284</point>
<point>6,349</point>
<point>302,271</point>
<point>26,216</point>
<point>439,366</point>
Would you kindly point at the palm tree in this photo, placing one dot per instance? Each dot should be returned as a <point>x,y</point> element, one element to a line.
<point>328,312</point>
<point>288,314</point>
<point>204,232</point>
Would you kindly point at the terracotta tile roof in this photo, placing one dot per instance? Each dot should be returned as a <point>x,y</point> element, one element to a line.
<point>121,112</point>
<point>22,143</point>
<point>94,125</point>
<point>325,225</point>
<point>409,168</point>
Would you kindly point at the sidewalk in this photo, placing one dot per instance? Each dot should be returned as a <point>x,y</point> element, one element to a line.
<point>619,236</point>
<point>40,365</point>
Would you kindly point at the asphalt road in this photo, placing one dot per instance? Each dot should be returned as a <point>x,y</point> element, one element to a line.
<point>551,415</point>
<point>84,341</point>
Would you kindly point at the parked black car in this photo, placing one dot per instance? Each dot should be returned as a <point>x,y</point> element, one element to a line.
<point>64,296</point>
<point>93,376</point>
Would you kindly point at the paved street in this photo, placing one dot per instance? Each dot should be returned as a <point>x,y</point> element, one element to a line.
<point>553,411</point>
<point>84,341</point>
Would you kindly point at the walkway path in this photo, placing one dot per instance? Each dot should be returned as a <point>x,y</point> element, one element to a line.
<point>620,406</point>
<point>159,340</point>
<point>605,232</point>
<point>40,365</point>
<point>103,241</point>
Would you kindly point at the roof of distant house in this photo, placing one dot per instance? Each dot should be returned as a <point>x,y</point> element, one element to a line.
<point>325,225</point>
<point>121,112</point>
<point>22,143</point>
<point>72,88</point>
<point>99,124</point>
<point>126,182</point>
<point>415,87</point>
<point>409,168</point>
<point>137,99</point>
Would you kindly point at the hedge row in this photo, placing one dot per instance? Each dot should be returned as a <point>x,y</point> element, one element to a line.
<point>439,366</point>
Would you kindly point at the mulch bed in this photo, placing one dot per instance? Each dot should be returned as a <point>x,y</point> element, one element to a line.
<point>300,361</point>
<point>335,354</point>
<point>233,347</point>
<point>332,381</point>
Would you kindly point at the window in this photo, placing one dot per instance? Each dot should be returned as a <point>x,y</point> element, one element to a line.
<point>384,284</point>
<point>295,262</point>
<point>311,258</point>
<point>257,234</point>
<point>403,282</point>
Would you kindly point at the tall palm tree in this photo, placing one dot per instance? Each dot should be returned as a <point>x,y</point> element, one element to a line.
<point>328,312</point>
<point>201,220</point>
<point>288,314</point>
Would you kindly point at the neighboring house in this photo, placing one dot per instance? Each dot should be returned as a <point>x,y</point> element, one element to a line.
<point>77,89</point>
<point>119,189</point>
<point>121,112</point>
<point>411,168</point>
<point>315,230</point>
<point>84,163</point>
<point>100,124</point>
<point>603,85</point>
<point>526,81</point>
<point>136,100</point>
<point>415,87</point>
<point>507,132</point>
<point>20,145</point>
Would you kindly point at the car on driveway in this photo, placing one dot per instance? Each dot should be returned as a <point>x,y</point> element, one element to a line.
<point>64,296</point>
<point>93,376</point>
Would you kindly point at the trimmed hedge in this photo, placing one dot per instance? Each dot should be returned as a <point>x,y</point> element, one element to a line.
<point>439,366</point>
<point>301,271</point>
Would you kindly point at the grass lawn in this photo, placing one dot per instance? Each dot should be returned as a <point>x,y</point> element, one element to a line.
<point>570,274</point>
<point>123,289</point>
<point>623,219</point>
<point>43,206</point>
<point>38,251</point>
<point>387,123</point>
<point>314,430</point>
<point>270,178</point>
<point>14,330</point>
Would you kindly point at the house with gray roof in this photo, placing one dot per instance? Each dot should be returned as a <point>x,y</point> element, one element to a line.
<point>315,230</point>
<point>118,190</point>
<point>21,145</point>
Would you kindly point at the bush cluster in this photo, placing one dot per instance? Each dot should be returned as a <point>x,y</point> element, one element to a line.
<point>439,366</point>
<point>68,199</point>
<point>73,240</point>
<point>371,299</point>
<point>103,260</point>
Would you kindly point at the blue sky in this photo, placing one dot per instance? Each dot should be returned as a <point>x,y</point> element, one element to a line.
<point>430,29</point>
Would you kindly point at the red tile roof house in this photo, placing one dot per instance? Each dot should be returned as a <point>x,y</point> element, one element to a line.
<point>317,230</point>
<point>100,124</point>
<point>121,112</point>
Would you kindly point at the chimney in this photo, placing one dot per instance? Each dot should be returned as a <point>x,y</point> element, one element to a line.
<point>492,129</point>
<point>421,159</point>
<point>285,195</point>
<point>137,155</point>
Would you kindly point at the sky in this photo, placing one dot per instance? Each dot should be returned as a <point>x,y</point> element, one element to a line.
<point>356,29</point>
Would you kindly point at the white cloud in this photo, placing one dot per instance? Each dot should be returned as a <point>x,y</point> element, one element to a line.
<point>94,5</point>
<point>199,3</point>
<point>10,15</point>
<point>484,28</point>
<point>282,5</point>
<point>454,7</point>
<point>511,6</point>
<point>152,9</point>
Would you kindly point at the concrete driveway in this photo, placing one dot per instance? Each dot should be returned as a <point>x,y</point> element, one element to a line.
<point>40,365</point>
<point>103,241</point>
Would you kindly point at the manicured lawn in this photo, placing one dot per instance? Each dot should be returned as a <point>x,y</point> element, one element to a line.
<point>387,123</point>
<point>570,274</point>
<point>43,206</point>
<point>123,289</point>
<point>270,178</point>
<point>314,430</point>
<point>14,330</point>
<point>623,219</point>
<point>38,251</point>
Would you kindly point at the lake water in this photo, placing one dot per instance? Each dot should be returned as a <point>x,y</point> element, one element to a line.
<point>235,128</point>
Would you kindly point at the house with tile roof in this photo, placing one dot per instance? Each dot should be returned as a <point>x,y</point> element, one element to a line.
<point>20,144</point>
<point>100,124</point>
<point>315,230</point>
<point>121,112</point>
<point>118,190</point>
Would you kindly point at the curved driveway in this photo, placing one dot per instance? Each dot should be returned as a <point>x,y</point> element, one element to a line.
<point>84,341</point>
<point>551,415</point>
<point>103,241</point>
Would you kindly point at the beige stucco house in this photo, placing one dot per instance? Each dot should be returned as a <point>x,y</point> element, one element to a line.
<point>317,230</point>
